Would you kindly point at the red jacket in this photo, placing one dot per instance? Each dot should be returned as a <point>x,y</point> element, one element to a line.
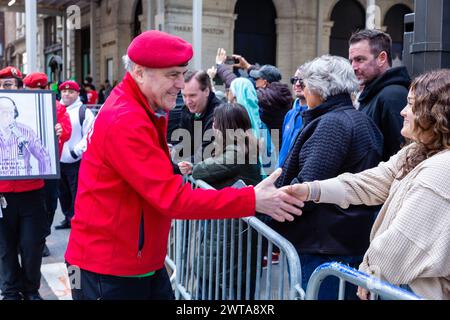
<point>63,118</point>
<point>92,97</point>
<point>16,186</point>
<point>126,177</point>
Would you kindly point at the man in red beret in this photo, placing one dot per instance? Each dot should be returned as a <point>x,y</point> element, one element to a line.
<point>23,222</point>
<point>81,120</point>
<point>128,193</point>
<point>36,81</point>
<point>63,130</point>
<point>10,78</point>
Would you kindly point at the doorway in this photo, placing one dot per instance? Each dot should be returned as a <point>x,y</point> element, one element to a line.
<point>255,31</point>
<point>348,16</point>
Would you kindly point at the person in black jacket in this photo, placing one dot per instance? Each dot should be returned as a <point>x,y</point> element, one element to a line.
<point>385,88</point>
<point>196,117</point>
<point>336,138</point>
<point>275,101</point>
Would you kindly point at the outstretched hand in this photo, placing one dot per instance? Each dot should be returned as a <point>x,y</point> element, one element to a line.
<point>299,191</point>
<point>276,203</point>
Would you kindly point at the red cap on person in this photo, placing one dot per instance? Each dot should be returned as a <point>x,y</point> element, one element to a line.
<point>10,72</point>
<point>69,85</point>
<point>156,49</point>
<point>36,80</point>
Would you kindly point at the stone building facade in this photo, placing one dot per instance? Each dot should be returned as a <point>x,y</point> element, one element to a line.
<point>282,32</point>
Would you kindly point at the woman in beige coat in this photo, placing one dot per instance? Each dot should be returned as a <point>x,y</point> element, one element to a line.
<point>410,239</point>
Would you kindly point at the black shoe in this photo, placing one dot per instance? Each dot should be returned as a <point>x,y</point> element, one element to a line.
<point>45,252</point>
<point>65,224</point>
<point>32,296</point>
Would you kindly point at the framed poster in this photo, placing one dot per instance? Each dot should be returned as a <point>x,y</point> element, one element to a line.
<point>28,143</point>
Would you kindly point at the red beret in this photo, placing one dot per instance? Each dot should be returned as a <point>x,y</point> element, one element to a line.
<point>10,72</point>
<point>69,85</point>
<point>156,49</point>
<point>36,80</point>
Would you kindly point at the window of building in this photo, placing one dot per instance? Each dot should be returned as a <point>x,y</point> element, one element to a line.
<point>395,28</point>
<point>20,25</point>
<point>344,26</point>
<point>137,25</point>
<point>50,31</point>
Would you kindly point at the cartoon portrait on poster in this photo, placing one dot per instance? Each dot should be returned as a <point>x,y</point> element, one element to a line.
<point>28,145</point>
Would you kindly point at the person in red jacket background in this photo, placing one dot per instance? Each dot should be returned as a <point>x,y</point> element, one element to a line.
<point>23,225</point>
<point>63,130</point>
<point>128,193</point>
<point>63,127</point>
<point>91,94</point>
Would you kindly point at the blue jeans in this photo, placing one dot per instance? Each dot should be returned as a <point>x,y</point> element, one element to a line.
<point>329,290</point>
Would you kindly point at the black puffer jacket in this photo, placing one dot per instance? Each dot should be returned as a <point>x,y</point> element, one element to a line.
<point>274,102</point>
<point>382,100</point>
<point>336,138</point>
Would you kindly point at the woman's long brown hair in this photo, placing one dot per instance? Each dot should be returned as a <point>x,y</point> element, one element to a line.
<point>233,116</point>
<point>431,111</point>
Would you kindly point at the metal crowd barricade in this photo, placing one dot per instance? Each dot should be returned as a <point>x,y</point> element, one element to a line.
<point>223,260</point>
<point>348,274</point>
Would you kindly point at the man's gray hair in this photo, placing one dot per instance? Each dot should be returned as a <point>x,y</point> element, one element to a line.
<point>127,63</point>
<point>329,75</point>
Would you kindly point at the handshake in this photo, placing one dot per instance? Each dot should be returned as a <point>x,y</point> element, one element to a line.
<point>281,204</point>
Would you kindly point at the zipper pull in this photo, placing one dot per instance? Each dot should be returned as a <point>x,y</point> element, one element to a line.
<point>139,255</point>
<point>3,205</point>
<point>3,202</point>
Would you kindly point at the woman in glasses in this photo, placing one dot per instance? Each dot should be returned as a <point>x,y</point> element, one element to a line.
<point>410,240</point>
<point>292,123</point>
<point>335,138</point>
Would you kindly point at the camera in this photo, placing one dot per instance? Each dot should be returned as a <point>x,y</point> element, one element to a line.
<point>231,60</point>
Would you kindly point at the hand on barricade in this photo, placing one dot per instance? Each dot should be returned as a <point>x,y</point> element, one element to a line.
<point>299,191</point>
<point>363,294</point>
<point>276,203</point>
<point>185,167</point>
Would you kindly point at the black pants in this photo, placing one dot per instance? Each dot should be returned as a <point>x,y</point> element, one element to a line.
<point>94,286</point>
<point>68,187</point>
<point>23,229</point>
<point>51,200</point>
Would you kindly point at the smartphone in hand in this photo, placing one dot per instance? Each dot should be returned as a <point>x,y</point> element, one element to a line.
<point>231,60</point>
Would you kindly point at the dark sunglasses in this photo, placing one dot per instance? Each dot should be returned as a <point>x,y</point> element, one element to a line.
<point>294,80</point>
